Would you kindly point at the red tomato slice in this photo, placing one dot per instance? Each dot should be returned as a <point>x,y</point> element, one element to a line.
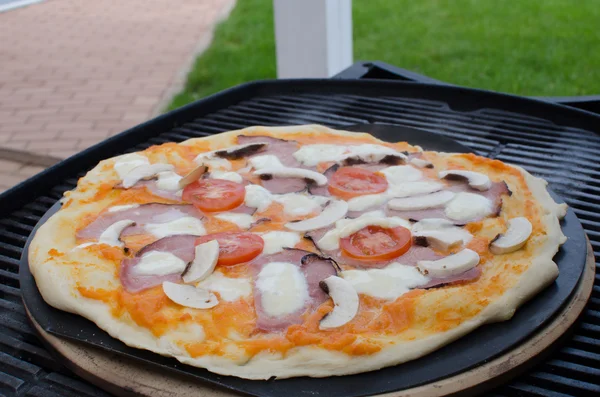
<point>376,243</point>
<point>211,195</point>
<point>348,182</point>
<point>235,248</point>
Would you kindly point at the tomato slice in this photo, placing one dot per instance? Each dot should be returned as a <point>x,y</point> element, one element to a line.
<point>234,247</point>
<point>348,182</point>
<point>376,243</point>
<point>211,195</point>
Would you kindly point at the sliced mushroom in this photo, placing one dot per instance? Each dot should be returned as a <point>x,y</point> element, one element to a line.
<point>517,234</point>
<point>433,200</point>
<point>439,240</point>
<point>318,178</point>
<point>417,162</point>
<point>146,171</point>
<point>112,234</point>
<point>450,265</point>
<point>205,260</point>
<point>189,296</point>
<point>193,176</point>
<point>476,180</point>
<point>345,300</point>
<point>333,211</point>
<point>240,151</point>
<point>432,224</point>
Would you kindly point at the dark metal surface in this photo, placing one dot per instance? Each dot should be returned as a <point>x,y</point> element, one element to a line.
<point>554,142</point>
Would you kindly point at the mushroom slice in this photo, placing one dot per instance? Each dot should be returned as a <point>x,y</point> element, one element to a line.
<point>192,176</point>
<point>450,265</point>
<point>267,172</point>
<point>519,230</point>
<point>333,211</point>
<point>112,234</point>
<point>433,200</point>
<point>439,240</point>
<point>146,171</point>
<point>189,296</point>
<point>205,260</point>
<point>240,151</point>
<point>345,300</point>
<point>420,163</point>
<point>476,180</point>
<point>432,224</point>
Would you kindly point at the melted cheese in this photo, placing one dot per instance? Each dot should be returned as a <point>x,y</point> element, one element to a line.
<point>311,155</point>
<point>276,241</point>
<point>299,204</point>
<point>242,220</point>
<point>401,173</point>
<point>265,161</point>
<point>168,180</point>
<point>124,164</point>
<point>156,263</point>
<point>468,206</point>
<point>229,289</point>
<point>258,197</point>
<point>213,162</point>
<point>283,288</point>
<point>227,175</point>
<point>118,208</point>
<point>387,283</point>
<point>185,225</point>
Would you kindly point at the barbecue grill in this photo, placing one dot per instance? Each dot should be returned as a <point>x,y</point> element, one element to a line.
<point>556,142</point>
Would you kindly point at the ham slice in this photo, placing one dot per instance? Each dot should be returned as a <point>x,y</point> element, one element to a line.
<point>181,246</point>
<point>280,185</point>
<point>324,190</point>
<point>142,215</point>
<point>281,148</point>
<point>314,268</point>
<point>410,258</point>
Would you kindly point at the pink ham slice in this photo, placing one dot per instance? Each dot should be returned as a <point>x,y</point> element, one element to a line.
<point>283,149</point>
<point>181,246</point>
<point>314,267</point>
<point>142,215</point>
<point>324,190</point>
<point>281,185</point>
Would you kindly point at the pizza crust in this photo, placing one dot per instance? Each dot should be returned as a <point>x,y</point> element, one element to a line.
<point>59,288</point>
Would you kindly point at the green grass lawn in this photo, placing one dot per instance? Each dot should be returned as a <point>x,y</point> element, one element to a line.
<point>527,47</point>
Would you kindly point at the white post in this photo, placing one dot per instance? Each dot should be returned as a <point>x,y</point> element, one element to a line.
<point>313,37</point>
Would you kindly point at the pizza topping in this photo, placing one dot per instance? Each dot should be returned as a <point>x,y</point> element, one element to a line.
<point>235,248</point>
<point>158,263</point>
<point>451,265</point>
<point>205,260</point>
<point>469,275</point>
<point>401,173</point>
<point>466,207</point>
<point>475,180</point>
<point>281,148</point>
<point>212,195</point>
<point>433,200</point>
<point>311,155</point>
<point>117,208</point>
<point>345,300</point>
<point>112,235</point>
<point>515,237</point>
<point>243,221</point>
<point>376,243</point>
<point>421,163</point>
<point>333,211</point>
<point>440,234</point>
<point>300,177</point>
<point>229,289</point>
<point>193,176</point>
<point>276,241</point>
<point>125,163</point>
<point>145,172</point>
<point>349,182</point>
<point>405,189</point>
<point>240,151</point>
<point>299,204</point>
<point>189,296</point>
<point>257,197</point>
<point>226,175</point>
<point>185,225</point>
<point>388,283</point>
<point>283,289</point>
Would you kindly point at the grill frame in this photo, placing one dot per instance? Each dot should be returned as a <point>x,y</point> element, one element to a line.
<point>23,205</point>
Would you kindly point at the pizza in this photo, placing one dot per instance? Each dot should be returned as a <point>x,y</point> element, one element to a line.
<point>297,251</point>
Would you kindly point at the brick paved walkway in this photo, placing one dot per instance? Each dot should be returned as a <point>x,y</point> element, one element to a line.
<point>75,72</point>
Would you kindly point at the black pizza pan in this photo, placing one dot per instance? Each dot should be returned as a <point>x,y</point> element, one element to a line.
<point>468,352</point>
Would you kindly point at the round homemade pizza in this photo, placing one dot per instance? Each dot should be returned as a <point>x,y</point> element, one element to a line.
<point>297,251</point>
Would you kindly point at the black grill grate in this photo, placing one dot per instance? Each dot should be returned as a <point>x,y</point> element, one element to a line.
<point>565,156</point>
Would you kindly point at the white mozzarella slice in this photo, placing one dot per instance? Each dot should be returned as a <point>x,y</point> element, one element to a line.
<point>401,173</point>
<point>144,172</point>
<point>168,181</point>
<point>299,204</point>
<point>215,163</point>
<point>265,161</point>
<point>404,189</point>
<point>124,164</point>
<point>362,203</point>
<point>112,233</point>
<point>189,296</point>
<point>388,283</point>
<point>468,206</point>
<point>287,172</point>
<point>184,225</point>
<point>476,180</point>
<point>311,155</point>
<point>415,203</point>
<point>333,211</point>
<point>283,288</point>
<point>242,220</point>
<point>117,208</point>
<point>226,175</point>
<point>276,241</point>
<point>229,289</point>
<point>158,263</point>
<point>258,197</point>
<point>451,265</point>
